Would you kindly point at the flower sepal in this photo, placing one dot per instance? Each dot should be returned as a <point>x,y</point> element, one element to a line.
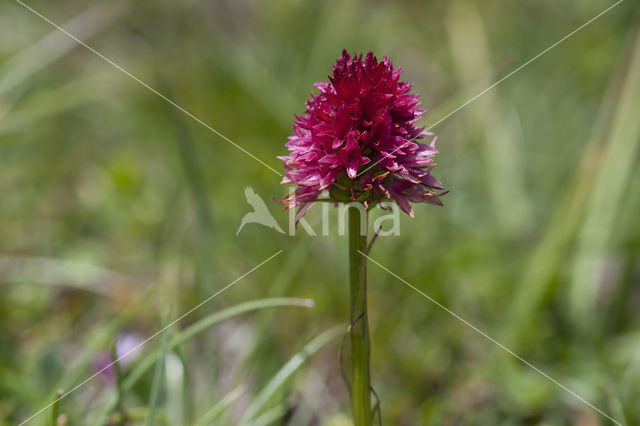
<point>339,194</point>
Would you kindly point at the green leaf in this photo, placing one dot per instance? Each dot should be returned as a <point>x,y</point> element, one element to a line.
<point>287,371</point>
<point>219,408</point>
<point>157,378</point>
<point>200,326</point>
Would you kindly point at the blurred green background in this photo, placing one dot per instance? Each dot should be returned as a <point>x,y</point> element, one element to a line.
<point>118,213</point>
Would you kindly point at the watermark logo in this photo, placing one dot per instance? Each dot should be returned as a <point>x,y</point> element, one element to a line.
<point>260,214</point>
<point>385,217</point>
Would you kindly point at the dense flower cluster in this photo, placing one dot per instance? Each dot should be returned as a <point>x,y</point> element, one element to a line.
<point>357,140</point>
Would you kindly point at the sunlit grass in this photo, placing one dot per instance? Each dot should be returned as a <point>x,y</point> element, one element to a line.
<point>119,213</point>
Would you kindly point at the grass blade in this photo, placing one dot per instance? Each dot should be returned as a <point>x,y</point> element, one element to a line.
<point>287,371</point>
<point>99,342</point>
<point>219,407</point>
<point>207,322</point>
<point>56,44</point>
<point>569,212</point>
<point>607,201</point>
<point>174,376</point>
<point>270,416</point>
<point>156,383</point>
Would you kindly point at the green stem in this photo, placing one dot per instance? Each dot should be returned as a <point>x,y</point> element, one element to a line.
<point>359,330</point>
<point>56,407</point>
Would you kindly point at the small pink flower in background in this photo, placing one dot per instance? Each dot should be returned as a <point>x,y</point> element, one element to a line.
<point>128,347</point>
<point>358,140</point>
